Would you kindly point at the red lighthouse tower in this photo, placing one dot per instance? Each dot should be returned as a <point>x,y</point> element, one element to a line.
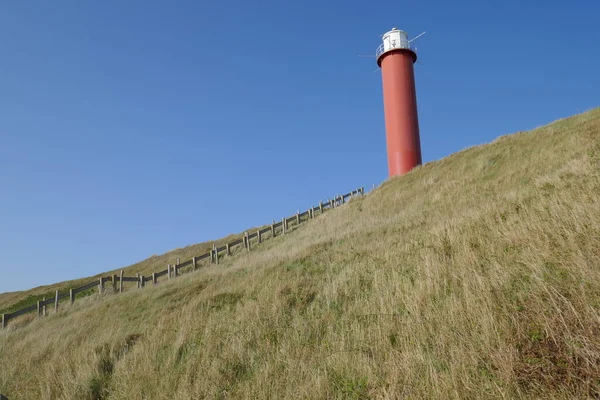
<point>396,57</point>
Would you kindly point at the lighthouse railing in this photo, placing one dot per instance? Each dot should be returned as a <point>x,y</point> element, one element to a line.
<point>403,45</point>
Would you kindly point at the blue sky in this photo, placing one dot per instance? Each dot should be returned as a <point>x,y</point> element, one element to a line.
<point>132,128</point>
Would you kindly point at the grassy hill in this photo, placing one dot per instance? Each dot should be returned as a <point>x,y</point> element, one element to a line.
<point>476,276</point>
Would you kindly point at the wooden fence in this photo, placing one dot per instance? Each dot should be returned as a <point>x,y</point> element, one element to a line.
<point>172,271</point>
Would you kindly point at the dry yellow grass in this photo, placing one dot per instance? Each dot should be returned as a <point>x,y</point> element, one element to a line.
<point>476,276</point>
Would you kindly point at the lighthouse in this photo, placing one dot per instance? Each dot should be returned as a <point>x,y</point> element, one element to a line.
<point>396,57</point>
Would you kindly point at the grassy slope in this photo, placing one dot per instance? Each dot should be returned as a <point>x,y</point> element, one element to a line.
<point>474,276</point>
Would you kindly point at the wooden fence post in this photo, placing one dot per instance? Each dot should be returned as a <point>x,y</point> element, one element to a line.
<point>175,268</point>
<point>216,251</point>
<point>39,308</point>
<point>114,279</point>
<point>284,225</point>
<point>71,296</point>
<point>154,281</point>
<point>310,213</point>
<point>3,321</point>
<point>44,306</point>
<point>169,271</point>
<point>258,235</point>
<point>177,261</point>
<point>273,229</point>
<point>56,302</point>
<point>321,207</point>
<point>142,281</point>
<point>194,263</point>
<point>227,249</point>
<point>138,280</point>
<point>298,217</point>
<point>100,286</point>
<point>121,282</point>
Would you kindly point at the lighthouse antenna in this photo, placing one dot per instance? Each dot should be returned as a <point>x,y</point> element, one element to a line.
<point>416,37</point>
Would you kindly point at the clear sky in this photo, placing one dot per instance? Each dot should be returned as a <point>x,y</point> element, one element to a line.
<point>130,128</point>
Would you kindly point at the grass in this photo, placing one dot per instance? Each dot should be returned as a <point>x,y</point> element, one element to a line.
<point>475,276</point>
